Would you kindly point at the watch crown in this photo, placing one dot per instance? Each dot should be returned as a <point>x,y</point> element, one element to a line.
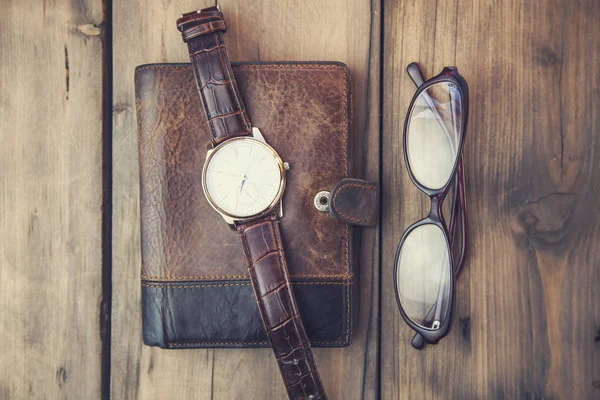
<point>286,166</point>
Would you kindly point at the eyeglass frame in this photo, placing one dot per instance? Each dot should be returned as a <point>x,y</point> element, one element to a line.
<point>436,196</point>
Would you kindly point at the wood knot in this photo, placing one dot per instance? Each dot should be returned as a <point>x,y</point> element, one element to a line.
<point>547,56</point>
<point>527,219</point>
<point>546,221</point>
<point>90,29</point>
<point>465,328</point>
<point>61,376</point>
<point>120,107</point>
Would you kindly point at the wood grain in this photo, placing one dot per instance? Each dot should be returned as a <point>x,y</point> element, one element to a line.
<point>528,311</point>
<point>145,32</point>
<point>527,317</point>
<point>50,200</point>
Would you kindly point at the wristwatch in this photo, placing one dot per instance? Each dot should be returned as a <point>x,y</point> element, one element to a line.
<point>244,179</point>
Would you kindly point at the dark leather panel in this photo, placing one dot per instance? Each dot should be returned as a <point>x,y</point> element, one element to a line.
<point>265,258</point>
<point>225,314</point>
<point>355,202</point>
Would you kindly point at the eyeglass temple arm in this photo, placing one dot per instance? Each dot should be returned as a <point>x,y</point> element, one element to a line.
<point>415,73</point>
<point>463,217</point>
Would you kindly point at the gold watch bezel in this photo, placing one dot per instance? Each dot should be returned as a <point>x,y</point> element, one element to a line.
<point>271,206</point>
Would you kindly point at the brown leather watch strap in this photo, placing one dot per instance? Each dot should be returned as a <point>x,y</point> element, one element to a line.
<point>203,30</point>
<point>270,279</point>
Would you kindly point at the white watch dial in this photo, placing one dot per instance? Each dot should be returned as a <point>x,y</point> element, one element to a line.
<point>243,177</point>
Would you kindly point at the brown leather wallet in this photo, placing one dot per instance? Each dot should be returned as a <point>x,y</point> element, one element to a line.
<point>195,286</point>
<point>196,293</point>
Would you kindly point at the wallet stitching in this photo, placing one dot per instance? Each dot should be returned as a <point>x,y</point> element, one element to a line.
<point>178,344</point>
<point>366,221</point>
<point>347,312</point>
<point>167,286</point>
<point>183,278</point>
<point>181,344</point>
<point>299,67</point>
<point>346,133</point>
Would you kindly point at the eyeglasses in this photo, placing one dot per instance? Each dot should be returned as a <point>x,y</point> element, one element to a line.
<point>428,258</point>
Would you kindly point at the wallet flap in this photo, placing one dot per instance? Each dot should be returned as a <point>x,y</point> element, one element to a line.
<point>355,202</point>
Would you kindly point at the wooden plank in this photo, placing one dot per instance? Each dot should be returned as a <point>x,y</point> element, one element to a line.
<point>528,310</point>
<point>50,200</point>
<point>144,31</point>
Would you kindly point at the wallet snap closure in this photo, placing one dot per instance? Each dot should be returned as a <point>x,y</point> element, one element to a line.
<point>355,202</point>
<point>322,201</point>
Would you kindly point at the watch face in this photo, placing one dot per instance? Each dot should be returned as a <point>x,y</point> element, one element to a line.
<point>243,177</point>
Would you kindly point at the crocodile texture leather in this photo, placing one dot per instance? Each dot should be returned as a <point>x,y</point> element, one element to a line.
<point>261,239</point>
<point>263,249</point>
<point>225,111</point>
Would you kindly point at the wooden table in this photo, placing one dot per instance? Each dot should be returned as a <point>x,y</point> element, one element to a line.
<point>527,318</point>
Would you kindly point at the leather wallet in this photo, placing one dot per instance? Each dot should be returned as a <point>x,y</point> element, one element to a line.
<point>195,286</point>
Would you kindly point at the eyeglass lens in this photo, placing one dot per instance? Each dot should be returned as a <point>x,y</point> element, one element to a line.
<point>434,134</point>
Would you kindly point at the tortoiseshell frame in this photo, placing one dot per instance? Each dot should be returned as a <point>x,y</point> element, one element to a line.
<point>448,74</point>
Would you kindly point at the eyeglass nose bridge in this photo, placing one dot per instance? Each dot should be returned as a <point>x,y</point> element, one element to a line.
<point>435,212</point>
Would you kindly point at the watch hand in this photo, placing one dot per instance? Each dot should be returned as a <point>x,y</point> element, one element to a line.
<point>225,173</point>
<point>248,165</point>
